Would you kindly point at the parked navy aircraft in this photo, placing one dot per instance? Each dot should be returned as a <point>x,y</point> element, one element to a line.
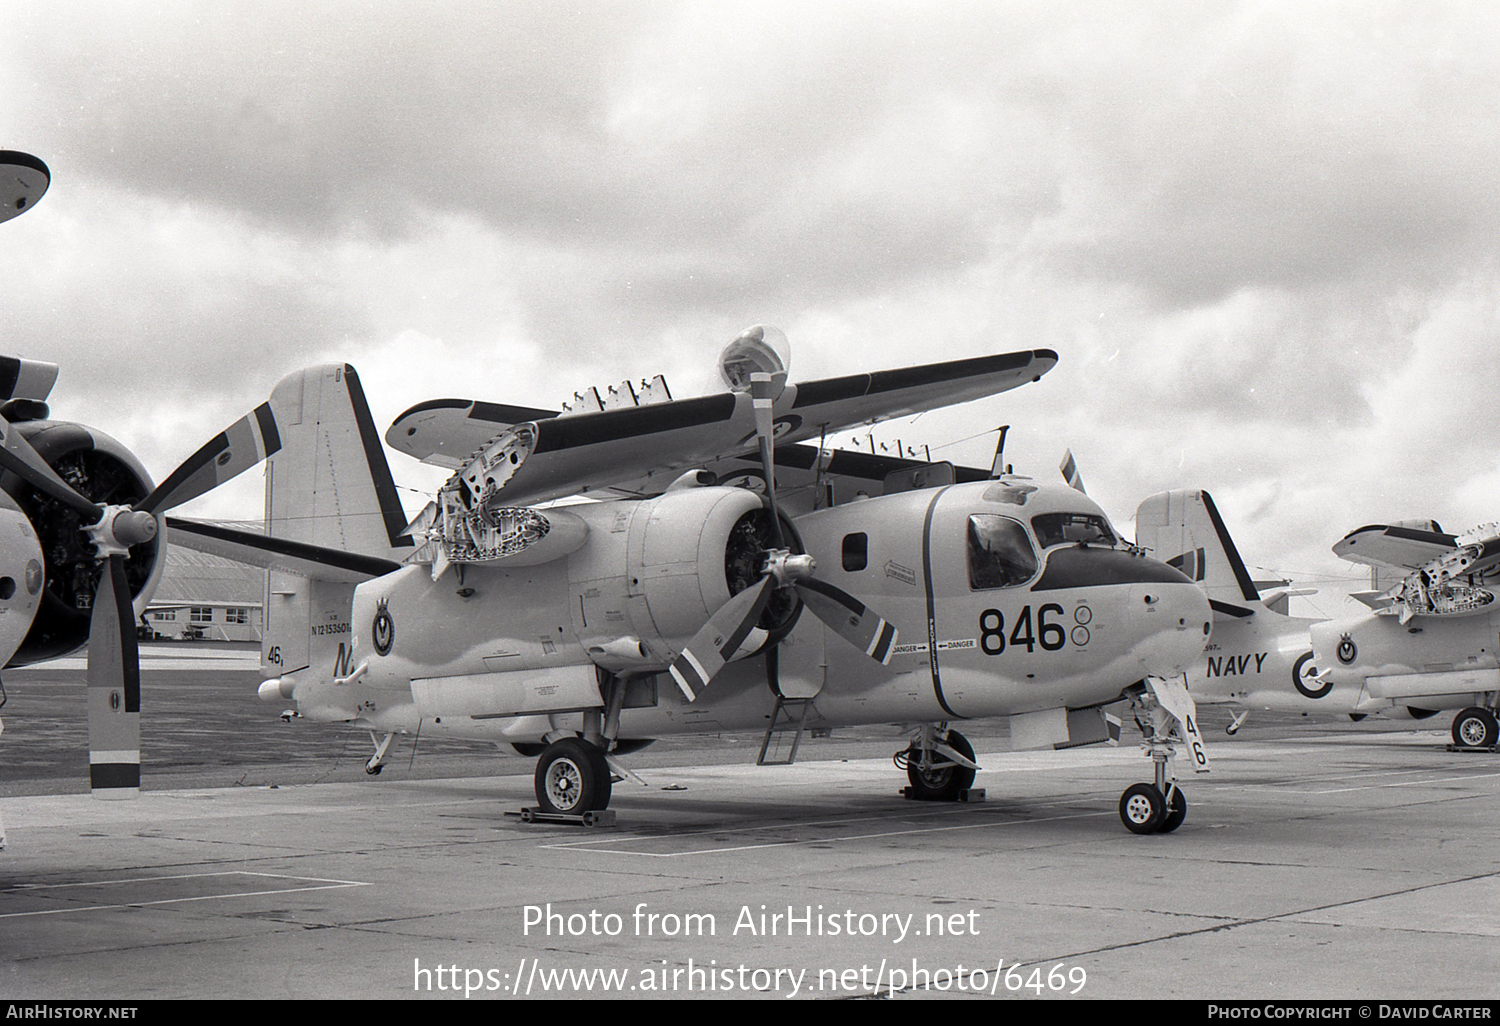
<point>1430,642</point>
<point>730,578</point>
<point>1261,658</point>
<point>23,180</point>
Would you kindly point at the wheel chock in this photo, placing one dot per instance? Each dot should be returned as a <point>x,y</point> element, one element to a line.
<point>968,794</point>
<point>592,818</point>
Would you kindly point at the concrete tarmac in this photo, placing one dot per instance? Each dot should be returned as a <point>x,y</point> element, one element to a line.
<point>1327,864</point>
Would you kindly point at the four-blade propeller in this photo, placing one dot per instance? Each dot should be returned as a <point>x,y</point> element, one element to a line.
<point>751,363</point>
<point>114,686</point>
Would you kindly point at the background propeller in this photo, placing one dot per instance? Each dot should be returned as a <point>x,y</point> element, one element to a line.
<point>114,687</point>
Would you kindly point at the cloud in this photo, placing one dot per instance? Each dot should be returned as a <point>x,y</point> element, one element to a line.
<point>1258,235</point>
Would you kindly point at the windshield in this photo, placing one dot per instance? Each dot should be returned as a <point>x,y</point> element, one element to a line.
<point>1060,528</point>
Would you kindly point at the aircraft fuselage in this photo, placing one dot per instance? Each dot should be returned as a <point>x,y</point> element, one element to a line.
<point>508,653</point>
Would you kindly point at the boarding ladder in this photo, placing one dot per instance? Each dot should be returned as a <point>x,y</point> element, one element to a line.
<point>790,715</point>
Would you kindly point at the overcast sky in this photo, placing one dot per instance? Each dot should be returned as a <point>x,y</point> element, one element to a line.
<point>1261,236</point>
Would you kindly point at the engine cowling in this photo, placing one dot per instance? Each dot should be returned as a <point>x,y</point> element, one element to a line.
<point>688,551</point>
<point>103,470</point>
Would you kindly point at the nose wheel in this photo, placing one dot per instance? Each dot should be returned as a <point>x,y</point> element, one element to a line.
<point>1171,716</point>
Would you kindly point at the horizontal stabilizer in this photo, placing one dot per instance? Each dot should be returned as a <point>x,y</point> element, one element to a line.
<point>312,561</point>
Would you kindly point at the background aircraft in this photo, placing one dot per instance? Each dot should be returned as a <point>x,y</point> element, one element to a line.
<point>1261,658</point>
<point>1430,642</point>
<point>23,181</point>
<point>81,549</point>
<point>581,632</point>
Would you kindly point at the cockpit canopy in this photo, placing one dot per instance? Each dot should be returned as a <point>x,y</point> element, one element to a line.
<point>1071,528</point>
<point>1002,553</point>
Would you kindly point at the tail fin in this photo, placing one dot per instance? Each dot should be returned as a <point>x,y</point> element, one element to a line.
<point>1183,528</point>
<point>330,486</point>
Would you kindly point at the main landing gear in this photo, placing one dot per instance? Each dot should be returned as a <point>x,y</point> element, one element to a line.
<point>575,773</point>
<point>1171,716</point>
<point>939,763</point>
<point>572,777</point>
<point>1475,728</point>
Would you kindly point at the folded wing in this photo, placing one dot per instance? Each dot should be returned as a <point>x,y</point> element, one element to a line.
<point>538,457</point>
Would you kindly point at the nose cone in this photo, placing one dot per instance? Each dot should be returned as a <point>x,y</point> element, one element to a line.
<point>1166,617</point>
<point>1173,619</point>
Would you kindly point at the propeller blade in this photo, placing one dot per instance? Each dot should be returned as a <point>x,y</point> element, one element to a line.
<point>763,392</point>
<point>242,445</point>
<point>114,689</point>
<point>704,656</point>
<point>850,619</point>
<point>18,457</point>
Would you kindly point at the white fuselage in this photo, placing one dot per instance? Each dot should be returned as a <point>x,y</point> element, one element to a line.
<point>510,653</point>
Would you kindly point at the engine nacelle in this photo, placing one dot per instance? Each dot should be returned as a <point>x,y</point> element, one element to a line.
<point>649,576</point>
<point>103,470</point>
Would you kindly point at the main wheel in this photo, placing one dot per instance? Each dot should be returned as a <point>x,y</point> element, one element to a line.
<point>1474,728</point>
<point>1176,810</point>
<point>1142,808</point>
<point>572,777</point>
<point>944,783</point>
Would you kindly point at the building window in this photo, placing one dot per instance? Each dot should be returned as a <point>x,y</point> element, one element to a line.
<point>201,614</point>
<point>236,615</point>
<point>164,614</point>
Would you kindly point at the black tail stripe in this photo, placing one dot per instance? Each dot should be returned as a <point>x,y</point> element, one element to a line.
<point>1241,575</point>
<point>380,471</point>
<point>268,433</point>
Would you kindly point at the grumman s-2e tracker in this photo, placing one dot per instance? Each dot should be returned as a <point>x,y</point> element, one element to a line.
<point>723,583</point>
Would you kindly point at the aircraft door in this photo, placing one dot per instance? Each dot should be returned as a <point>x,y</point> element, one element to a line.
<point>984,627</point>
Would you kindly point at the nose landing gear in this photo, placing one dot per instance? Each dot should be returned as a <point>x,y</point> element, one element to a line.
<point>1171,716</point>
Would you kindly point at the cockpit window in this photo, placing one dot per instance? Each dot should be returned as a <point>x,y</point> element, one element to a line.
<point>1000,554</point>
<point>1059,528</point>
